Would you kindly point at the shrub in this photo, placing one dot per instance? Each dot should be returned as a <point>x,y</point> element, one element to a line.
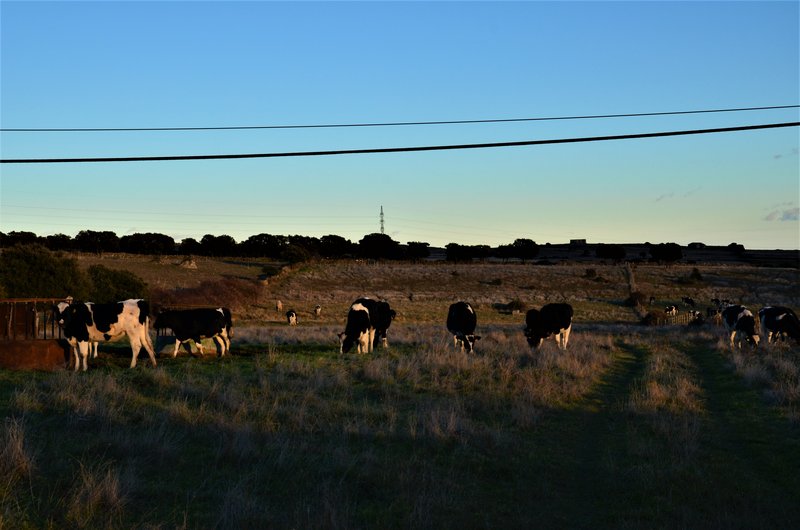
<point>109,285</point>
<point>637,298</point>
<point>32,271</point>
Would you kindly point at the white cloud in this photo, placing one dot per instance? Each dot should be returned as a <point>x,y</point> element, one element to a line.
<point>792,214</point>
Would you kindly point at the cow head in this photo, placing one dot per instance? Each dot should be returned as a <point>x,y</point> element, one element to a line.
<point>467,341</point>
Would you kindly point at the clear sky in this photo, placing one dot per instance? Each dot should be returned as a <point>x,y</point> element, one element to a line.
<point>213,64</point>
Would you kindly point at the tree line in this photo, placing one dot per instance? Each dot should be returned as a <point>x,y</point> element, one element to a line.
<point>297,248</point>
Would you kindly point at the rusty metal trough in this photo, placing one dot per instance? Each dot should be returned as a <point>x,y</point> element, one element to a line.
<point>30,339</point>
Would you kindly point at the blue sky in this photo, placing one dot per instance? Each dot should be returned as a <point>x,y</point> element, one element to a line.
<point>208,64</point>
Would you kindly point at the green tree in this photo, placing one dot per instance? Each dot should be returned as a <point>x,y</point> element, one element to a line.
<point>32,271</point>
<point>110,285</point>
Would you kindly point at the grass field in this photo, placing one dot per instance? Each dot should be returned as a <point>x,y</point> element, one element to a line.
<point>631,427</point>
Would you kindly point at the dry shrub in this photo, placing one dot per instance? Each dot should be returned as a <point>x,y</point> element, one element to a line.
<point>15,459</point>
<point>96,498</point>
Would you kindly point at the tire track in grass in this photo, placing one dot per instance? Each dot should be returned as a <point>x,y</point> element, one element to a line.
<point>750,453</point>
<point>577,459</point>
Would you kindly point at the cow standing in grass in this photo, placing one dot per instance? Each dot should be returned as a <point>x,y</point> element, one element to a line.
<point>198,324</point>
<point>740,323</point>
<point>778,322</point>
<point>367,323</point>
<point>461,322</point>
<point>84,323</point>
<point>552,319</point>
<point>291,317</point>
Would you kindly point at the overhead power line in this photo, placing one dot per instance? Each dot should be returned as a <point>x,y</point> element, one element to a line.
<point>399,123</point>
<point>397,149</point>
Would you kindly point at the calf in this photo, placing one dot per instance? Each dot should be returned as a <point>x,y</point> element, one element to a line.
<point>461,322</point>
<point>777,322</point>
<point>553,319</point>
<point>739,321</point>
<point>84,323</point>
<point>198,324</point>
<point>671,310</point>
<point>291,317</point>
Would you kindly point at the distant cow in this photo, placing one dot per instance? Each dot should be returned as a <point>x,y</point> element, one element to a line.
<point>291,317</point>
<point>84,323</point>
<point>553,319</point>
<point>671,310</point>
<point>317,311</point>
<point>739,321</point>
<point>777,322</point>
<point>198,324</point>
<point>688,301</point>
<point>461,322</point>
<point>278,306</point>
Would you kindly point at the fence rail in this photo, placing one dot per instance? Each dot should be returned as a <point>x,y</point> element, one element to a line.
<point>28,318</point>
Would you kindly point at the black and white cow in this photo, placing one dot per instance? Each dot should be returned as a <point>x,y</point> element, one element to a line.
<point>553,319</point>
<point>671,310</point>
<point>84,323</point>
<point>688,301</point>
<point>777,322</point>
<point>291,317</point>
<point>58,310</point>
<point>739,321</point>
<point>317,311</point>
<point>381,319</point>
<point>461,322</point>
<point>367,321</point>
<point>198,324</point>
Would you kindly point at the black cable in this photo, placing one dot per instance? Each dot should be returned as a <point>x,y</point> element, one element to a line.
<point>402,123</point>
<point>398,149</point>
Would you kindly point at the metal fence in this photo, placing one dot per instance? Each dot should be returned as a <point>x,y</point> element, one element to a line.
<point>28,319</point>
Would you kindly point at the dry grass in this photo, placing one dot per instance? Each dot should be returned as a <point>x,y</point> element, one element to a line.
<point>288,433</point>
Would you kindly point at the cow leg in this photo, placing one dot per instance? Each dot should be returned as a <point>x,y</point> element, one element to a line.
<point>733,335</point>
<point>84,350</point>
<point>145,340</point>
<point>75,358</point>
<point>220,344</point>
<point>177,347</point>
<point>371,339</point>
<point>136,345</point>
<point>455,341</point>
<point>364,343</point>
<point>94,349</point>
<point>565,337</point>
<point>199,343</point>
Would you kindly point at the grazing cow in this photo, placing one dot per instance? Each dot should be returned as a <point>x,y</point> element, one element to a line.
<point>291,317</point>
<point>367,322</point>
<point>671,310</point>
<point>84,323</point>
<point>381,319</point>
<point>461,322</point>
<point>358,329</point>
<point>198,324</point>
<point>688,301</point>
<point>739,321</point>
<point>553,319</point>
<point>652,300</point>
<point>278,306</point>
<point>777,322</point>
<point>317,311</point>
